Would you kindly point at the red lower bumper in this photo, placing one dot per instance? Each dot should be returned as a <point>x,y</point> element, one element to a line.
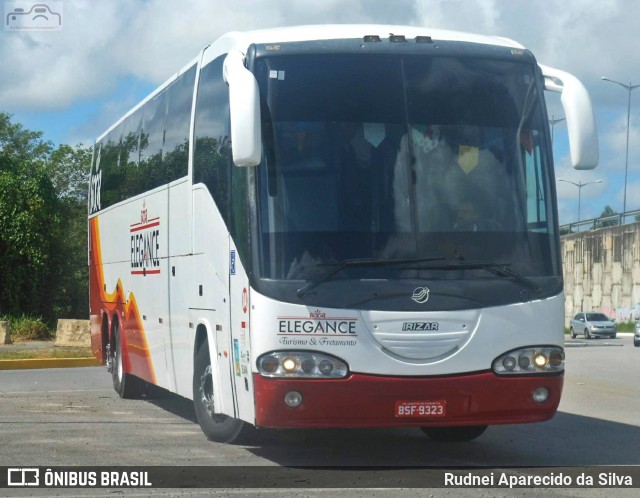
<point>370,401</point>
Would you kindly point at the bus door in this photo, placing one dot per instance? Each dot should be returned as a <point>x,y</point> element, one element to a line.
<point>209,301</point>
<point>240,312</point>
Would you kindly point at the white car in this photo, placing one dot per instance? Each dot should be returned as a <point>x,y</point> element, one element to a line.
<point>636,336</point>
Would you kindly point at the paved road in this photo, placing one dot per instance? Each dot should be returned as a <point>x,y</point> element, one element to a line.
<point>73,417</point>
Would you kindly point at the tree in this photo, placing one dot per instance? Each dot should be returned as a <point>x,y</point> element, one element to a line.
<point>43,192</point>
<point>609,213</point>
<point>29,221</point>
<point>69,169</point>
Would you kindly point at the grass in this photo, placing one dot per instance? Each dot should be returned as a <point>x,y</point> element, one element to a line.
<point>52,352</point>
<point>626,326</point>
<point>26,328</point>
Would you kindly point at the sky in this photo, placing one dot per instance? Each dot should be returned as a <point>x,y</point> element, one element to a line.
<point>73,82</point>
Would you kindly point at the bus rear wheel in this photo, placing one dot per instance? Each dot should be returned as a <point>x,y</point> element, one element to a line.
<point>454,434</point>
<point>126,385</point>
<point>217,427</point>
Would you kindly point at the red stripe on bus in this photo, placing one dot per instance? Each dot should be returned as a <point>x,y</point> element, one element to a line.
<point>144,227</point>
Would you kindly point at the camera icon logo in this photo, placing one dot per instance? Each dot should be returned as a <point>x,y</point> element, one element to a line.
<point>32,16</point>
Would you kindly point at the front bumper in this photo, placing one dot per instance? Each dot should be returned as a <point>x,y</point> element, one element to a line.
<point>603,332</point>
<point>370,401</point>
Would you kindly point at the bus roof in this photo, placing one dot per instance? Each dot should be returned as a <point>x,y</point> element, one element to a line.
<point>240,40</point>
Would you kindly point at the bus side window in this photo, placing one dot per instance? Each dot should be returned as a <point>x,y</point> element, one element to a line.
<point>535,180</point>
<point>130,156</point>
<point>212,153</point>
<point>110,166</point>
<point>151,140</point>
<point>176,142</point>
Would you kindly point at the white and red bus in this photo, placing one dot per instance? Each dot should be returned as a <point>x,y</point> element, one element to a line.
<point>335,226</point>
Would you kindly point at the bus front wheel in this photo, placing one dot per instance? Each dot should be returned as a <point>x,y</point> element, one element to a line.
<point>454,434</point>
<point>217,427</point>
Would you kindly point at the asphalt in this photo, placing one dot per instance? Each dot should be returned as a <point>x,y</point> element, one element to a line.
<point>41,362</point>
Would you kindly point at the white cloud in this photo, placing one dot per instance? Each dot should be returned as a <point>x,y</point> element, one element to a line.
<point>103,41</point>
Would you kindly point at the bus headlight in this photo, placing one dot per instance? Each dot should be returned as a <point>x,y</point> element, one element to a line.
<point>301,364</point>
<point>531,360</point>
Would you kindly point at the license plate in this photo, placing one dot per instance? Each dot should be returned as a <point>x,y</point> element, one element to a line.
<point>437,408</point>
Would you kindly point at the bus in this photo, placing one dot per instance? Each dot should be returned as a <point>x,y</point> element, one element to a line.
<point>338,226</point>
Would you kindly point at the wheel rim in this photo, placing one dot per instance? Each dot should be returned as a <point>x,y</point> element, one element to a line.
<point>206,395</point>
<point>118,359</point>
<point>206,391</point>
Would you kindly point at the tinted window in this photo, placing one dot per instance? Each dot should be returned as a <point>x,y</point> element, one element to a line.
<point>110,164</point>
<point>211,162</point>
<point>150,148</point>
<point>151,141</point>
<point>130,156</point>
<point>176,141</point>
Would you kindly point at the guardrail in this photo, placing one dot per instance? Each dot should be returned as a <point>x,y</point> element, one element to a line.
<point>602,222</point>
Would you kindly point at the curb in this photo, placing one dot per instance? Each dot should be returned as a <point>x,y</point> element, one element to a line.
<point>48,363</point>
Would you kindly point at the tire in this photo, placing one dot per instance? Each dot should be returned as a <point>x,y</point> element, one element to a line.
<point>614,336</point>
<point>636,343</point>
<point>572,333</point>
<point>126,385</point>
<point>217,427</point>
<point>454,434</point>
<point>587,335</point>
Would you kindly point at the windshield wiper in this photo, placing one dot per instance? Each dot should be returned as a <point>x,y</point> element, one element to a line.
<point>501,269</point>
<point>358,263</point>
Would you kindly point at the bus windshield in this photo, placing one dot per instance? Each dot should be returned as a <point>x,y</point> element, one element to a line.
<point>380,157</point>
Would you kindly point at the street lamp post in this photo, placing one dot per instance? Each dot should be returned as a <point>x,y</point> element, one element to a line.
<point>629,88</point>
<point>579,185</point>
<point>553,121</point>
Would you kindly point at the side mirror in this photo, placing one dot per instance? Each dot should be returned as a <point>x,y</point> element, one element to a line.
<point>244,110</point>
<point>581,124</point>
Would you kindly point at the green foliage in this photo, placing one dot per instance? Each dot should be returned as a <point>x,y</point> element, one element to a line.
<point>28,329</point>
<point>629,326</point>
<point>607,212</point>
<point>43,229</point>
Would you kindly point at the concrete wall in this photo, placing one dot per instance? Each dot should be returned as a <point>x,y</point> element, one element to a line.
<point>602,271</point>
<point>5,333</point>
<point>73,333</point>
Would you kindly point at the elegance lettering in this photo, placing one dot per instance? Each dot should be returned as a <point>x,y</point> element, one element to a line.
<point>317,326</point>
<point>145,249</point>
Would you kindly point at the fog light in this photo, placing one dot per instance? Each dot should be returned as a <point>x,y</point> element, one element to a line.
<point>541,395</point>
<point>293,399</point>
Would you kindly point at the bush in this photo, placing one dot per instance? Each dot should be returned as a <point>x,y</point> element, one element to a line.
<point>28,329</point>
<point>629,326</point>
